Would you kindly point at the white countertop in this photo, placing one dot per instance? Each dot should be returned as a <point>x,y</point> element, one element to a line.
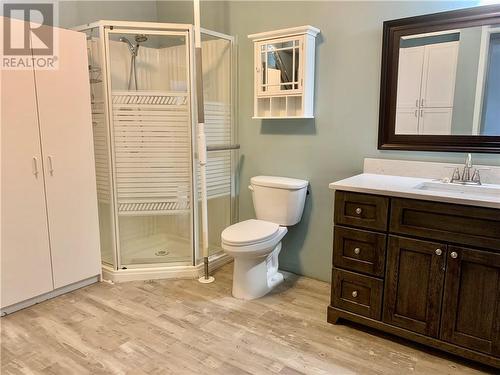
<point>407,187</point>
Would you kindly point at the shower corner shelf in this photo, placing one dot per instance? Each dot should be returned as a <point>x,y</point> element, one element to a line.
<point>284,73</point>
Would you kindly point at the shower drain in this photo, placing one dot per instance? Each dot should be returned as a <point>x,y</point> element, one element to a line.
<point>161,253</point>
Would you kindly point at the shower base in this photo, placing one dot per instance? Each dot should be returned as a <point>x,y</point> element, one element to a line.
<point>178,270</point>
<point>158,248</point>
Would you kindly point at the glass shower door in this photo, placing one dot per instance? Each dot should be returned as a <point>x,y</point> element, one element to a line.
<point>218,91</point>
<point>101,146</point>
<point>151,146</point>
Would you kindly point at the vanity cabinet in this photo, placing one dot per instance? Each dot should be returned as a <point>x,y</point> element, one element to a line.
<point>425,271</point>
<point>284,72</point>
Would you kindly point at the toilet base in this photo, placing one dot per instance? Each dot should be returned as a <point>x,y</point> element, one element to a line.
<point>255,277</point>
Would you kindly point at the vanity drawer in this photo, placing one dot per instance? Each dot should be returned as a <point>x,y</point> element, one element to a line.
<point>357,293</point>
<point>359,250</point>
<point>466,225</point>
<point>361,210</point>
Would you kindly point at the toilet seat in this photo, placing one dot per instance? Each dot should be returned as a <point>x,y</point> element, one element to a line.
<point>252,238</point>
<point>249,232</point>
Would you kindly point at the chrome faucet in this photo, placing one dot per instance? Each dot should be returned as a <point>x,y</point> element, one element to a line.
<point>466,173</point>
<point>470,175</point>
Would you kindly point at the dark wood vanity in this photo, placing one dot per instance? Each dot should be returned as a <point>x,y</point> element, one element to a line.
<point>426,271</point>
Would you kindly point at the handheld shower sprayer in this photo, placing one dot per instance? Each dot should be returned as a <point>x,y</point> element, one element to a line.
<point>139,38</point>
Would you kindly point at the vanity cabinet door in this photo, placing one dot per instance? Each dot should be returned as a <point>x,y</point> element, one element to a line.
<point>414,284</point>
<point>471,306</point>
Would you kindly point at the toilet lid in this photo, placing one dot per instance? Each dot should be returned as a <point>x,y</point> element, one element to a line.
<point>248,232</point>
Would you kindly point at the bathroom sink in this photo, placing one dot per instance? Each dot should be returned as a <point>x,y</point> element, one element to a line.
<point>486,190</point>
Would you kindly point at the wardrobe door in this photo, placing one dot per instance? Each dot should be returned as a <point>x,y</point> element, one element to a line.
<point>439,75</point>
<point>25,256</point>
<point>435,121</point>
<point>66,133</point>
<point>410,65</point>
<point>407,120</point>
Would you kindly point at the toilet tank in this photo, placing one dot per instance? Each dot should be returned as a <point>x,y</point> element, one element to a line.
<point>278,199</point>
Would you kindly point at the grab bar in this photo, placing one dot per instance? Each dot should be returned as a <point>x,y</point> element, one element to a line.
<point>223,147</point>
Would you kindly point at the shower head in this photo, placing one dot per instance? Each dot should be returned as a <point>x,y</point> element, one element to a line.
<point>141,38</point>
<point>131,47</point>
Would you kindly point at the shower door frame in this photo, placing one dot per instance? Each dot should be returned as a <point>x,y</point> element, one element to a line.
<point>188,34</point>
<point>234,196</point>
<point>113,271</point>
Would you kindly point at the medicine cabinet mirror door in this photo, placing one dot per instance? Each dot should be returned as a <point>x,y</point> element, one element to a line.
<point>279,66</point>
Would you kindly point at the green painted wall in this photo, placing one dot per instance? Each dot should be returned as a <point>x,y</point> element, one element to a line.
<point>74,13</point>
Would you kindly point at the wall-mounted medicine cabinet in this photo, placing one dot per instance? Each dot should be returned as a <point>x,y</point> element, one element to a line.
<point>284,73</point>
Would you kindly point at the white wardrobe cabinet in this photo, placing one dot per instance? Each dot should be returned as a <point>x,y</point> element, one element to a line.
<point>50,235</point>
<point>426,88</point>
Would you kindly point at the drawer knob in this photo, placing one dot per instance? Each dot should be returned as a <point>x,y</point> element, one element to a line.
<point>438,252</point>
<point>454,255</point>
<point>357,251</point>
<point>355,293</point>
<point>359,210</point>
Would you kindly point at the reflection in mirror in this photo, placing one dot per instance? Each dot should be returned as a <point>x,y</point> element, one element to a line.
<point>449,82</point>
<point>280,67</point>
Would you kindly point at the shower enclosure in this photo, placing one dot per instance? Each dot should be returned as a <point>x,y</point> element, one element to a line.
<point>144,119</point>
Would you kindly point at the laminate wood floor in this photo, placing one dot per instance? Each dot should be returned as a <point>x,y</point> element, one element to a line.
<point>183,327</point>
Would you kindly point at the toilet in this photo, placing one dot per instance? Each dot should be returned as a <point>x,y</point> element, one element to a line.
<point>256,243</point>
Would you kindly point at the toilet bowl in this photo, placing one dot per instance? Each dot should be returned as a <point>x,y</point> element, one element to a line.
<point>255,244</point>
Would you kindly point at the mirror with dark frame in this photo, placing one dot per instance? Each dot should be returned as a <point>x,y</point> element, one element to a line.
<point>440,88</point>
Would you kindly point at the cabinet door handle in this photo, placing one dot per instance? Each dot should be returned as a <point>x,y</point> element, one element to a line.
<point>51,165</point>
<point>438,252</point>
<point>358,210</point>
<point>357,251</point>
<point>454,255</point>
<point>416,113</point>
<point>416,102</point>
<point>422,102</point>
<point>34,166</point>
<point>354,294</point>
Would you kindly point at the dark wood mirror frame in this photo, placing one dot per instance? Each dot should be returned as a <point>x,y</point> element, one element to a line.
<point>393,31</point>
